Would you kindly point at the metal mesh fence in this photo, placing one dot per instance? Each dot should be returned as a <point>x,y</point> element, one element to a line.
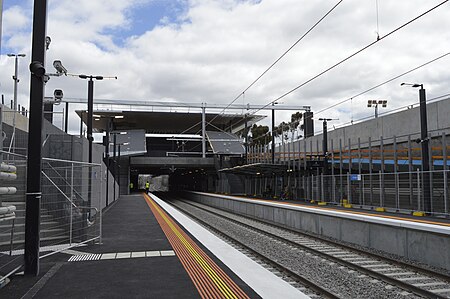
<point>70,205</point>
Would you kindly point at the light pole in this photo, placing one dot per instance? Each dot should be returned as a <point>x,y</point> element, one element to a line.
<point>89,122</point>
<point>16,76</point>
<point>118,164</point>
<point>375,103</point>
<point>115,144</point>
<point>16,81</point>
<point>325,143</point>
<point>424,140</point>
<point>90,110</point>
<point>34,167</point>
<point>273,132</point>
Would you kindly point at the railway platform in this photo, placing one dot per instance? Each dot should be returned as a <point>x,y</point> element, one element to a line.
<point>149,250</point>
<point>419,239</point>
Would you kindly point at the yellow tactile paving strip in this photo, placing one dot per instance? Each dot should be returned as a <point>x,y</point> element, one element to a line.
<point>210,280</point>
<point>352,212</point>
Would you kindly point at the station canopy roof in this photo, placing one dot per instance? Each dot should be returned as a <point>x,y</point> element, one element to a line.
<point>167,122</point>
<point>257,169</point>
<point>225,143</point>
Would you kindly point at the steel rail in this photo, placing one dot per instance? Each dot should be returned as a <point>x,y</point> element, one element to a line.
<point>387,279</point>
<point>309,284</point>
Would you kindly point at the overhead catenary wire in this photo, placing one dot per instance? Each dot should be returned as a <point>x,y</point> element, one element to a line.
<point>278,59</point>
<point>350,56</point>
<point>384,83</point>
<point>444,97</point>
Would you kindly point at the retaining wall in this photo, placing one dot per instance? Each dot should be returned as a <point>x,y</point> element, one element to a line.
<point>420,242</point>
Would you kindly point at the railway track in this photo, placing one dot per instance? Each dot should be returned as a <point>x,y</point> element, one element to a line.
<point>300,282</point>
<point>395,274</point>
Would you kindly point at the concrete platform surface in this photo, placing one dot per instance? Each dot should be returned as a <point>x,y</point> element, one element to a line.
<point>135,261</point>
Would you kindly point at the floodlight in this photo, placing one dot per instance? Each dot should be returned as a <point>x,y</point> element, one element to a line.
<point>412,85</point>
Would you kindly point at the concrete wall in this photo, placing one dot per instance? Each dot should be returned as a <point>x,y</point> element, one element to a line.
<point>59,145</point>
<point>400,124</point>
<point>406,241</point>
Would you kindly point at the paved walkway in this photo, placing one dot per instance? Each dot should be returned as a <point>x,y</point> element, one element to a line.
<point>150,271</point>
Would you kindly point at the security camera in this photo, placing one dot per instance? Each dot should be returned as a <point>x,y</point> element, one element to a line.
<point>48,40</point>
<point>60,69</point>
<point>58,95</point>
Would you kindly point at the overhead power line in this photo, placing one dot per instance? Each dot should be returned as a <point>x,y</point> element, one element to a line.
<point>383,83</point>
<point>351,56</point>
<point>278,59</point>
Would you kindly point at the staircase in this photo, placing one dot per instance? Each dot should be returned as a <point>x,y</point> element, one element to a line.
<point>52,231</point>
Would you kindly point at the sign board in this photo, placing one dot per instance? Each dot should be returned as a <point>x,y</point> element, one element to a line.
<point>131,142</point>
<point>355,177</point>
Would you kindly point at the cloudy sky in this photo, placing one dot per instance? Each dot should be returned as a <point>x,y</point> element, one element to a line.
<point>211,50</point>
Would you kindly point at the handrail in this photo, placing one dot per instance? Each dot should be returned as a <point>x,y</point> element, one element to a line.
<point>65,181</point>
<point>52,159</point>
<point>12,154</point>
<point>53,183</point>
<point>70,161</point>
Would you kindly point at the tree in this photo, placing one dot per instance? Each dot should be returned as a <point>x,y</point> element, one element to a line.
<point>295,120</point>
<point>281,128</point>
<point>260,135</point>
<point>292,126</point>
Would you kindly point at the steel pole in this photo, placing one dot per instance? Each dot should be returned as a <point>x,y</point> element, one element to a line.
<point>203,132</point>
<point>425,150</point>
<point>118,167</point>
<point>16,65</point>
<point>325,147</point>
<point>108,126</point>
<point>34,167</point>
<point>245,138</point>
<point>115,166</point>
<point>89,116</point>
<point>273,135</point>
<point>90,139</point>
<point>66,121</point>
<point>16,80</point>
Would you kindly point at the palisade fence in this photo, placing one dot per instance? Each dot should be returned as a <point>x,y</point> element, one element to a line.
<point>386,172</point>
<point>70,205</point>
<point>401,191</point>
<point>395,191</point>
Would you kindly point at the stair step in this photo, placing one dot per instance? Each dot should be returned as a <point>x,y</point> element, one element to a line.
<point>21,226</point>
<point>19,237</point>
<point>43,240</point>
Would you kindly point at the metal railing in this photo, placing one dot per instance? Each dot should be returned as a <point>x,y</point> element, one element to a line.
<point>399,191</point>
<point>70,214</point>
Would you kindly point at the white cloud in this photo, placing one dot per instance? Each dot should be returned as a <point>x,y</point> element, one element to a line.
<point>15,19</point>
<point>217,48</point>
